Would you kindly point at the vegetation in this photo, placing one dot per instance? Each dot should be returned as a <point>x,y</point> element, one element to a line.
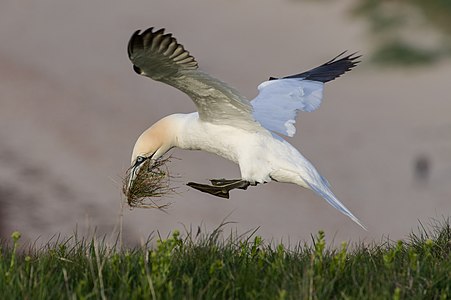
<point>206,266</point>
<point>408,32</point>
<point>150,184</point>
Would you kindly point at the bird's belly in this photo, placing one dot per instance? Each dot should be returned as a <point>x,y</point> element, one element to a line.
<point>248,149</point>
<point>221,140</point>
<point>258,154</point>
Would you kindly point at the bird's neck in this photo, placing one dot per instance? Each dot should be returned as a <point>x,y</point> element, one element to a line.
<point>171,129</point>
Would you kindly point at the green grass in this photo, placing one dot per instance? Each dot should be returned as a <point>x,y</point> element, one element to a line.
<point>207,266</point>
<point>400,53</point>
<point>393,23</point>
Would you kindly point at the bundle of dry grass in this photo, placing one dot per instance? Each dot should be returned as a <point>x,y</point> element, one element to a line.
<point>150,184</point>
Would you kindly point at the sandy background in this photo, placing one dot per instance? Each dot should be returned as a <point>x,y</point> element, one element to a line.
<point>71,109</point>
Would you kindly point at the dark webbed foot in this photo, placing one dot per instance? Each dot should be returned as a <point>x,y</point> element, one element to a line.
<point>220,187</point>
<point>210,189</point>
<point>241,184</point>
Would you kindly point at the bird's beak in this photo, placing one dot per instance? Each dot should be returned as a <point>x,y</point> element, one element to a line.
<point>135,171</point>
<point>132,177</point>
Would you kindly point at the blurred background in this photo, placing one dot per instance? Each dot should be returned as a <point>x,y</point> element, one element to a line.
<point>71,108</point>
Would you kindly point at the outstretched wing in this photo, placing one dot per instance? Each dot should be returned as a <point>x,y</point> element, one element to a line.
<point>280,99</point>
<point>159,56</point>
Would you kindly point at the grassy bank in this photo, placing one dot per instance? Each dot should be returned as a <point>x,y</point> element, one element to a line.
<point>245,267</point>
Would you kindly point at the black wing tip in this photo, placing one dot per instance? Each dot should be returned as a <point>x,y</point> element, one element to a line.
<point>330,70</point>
<point>137,38</point>
<point>344,64</point>
<point>137,70</point>
<point>148,31</point>
<point>351,59</point>
<point>146,47</point>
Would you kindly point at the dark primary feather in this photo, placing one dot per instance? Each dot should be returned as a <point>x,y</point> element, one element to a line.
<point>158,55</point>
<point>330,70</point>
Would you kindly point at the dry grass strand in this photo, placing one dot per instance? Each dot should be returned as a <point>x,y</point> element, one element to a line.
<point>151,184</point>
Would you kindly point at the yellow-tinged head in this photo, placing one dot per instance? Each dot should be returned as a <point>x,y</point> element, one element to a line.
<point>156,140</point>
<point>154,143</point>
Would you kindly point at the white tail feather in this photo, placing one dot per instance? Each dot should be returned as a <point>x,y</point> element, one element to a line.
<point>327,195</point>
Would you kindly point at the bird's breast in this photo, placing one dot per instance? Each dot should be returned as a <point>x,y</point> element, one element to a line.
<point>257,153</point>
<point>223,140</point>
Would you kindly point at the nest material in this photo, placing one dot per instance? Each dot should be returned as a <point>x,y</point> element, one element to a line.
<point>151,183</point>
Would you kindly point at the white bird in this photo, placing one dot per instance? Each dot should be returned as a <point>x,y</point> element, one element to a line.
<point>227,124</point>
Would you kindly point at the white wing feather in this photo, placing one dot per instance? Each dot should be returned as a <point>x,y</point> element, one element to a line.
<point>279,101</point>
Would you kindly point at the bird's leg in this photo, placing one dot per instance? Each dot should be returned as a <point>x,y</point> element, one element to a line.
<point>223,181</point>
<point>210,189</point>
<point>220,190</point>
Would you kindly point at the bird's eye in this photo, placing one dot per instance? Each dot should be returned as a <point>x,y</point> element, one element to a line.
<point>139,161</point>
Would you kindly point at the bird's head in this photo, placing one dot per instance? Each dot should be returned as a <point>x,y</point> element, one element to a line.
<point>152,144</point>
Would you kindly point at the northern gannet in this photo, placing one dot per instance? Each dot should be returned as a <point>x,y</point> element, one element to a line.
<point>227,124</point>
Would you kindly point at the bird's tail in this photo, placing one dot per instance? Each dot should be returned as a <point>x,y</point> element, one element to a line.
<point>322,188</point>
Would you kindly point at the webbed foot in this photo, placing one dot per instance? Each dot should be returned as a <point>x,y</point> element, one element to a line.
<point>240,184</point>
<point>220,187</point>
